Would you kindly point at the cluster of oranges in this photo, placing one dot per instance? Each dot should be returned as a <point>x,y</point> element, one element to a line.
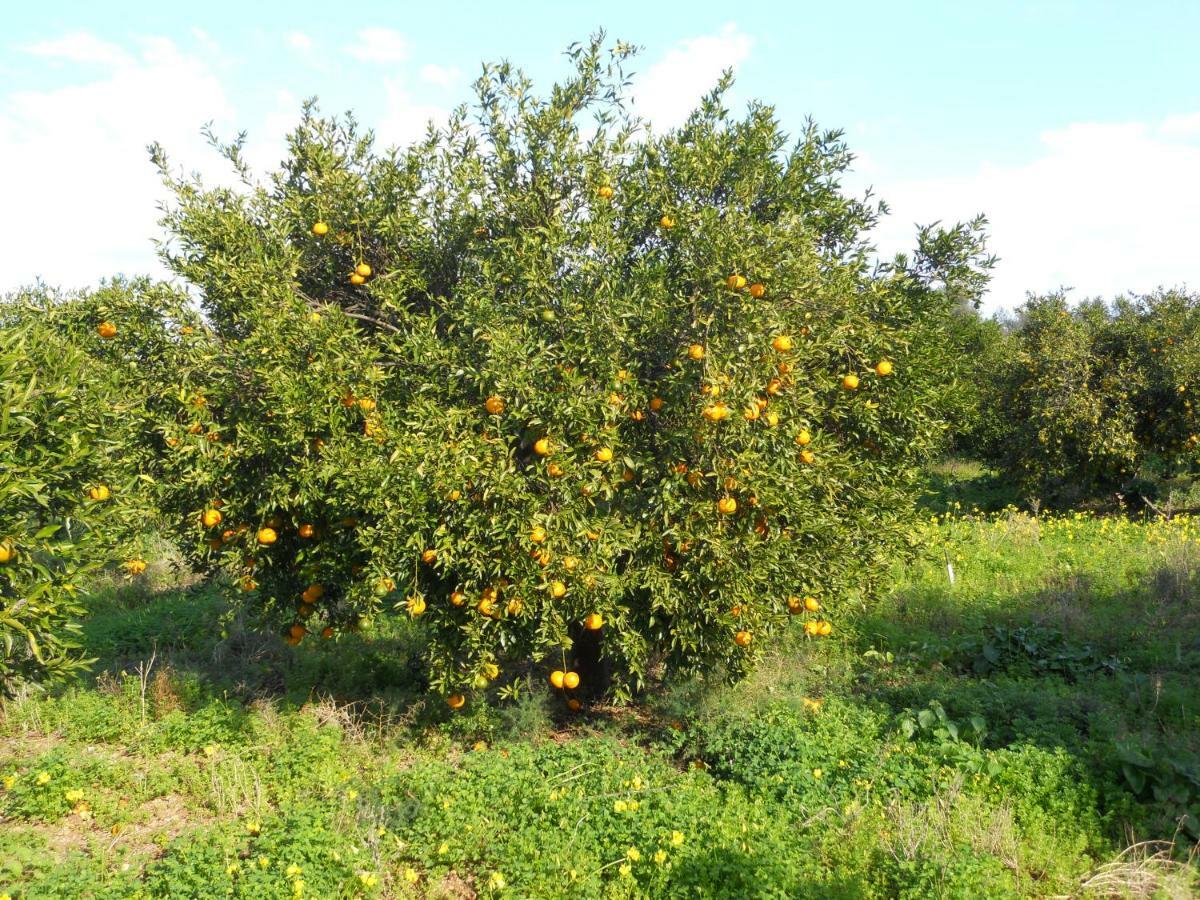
<point>361,272</point>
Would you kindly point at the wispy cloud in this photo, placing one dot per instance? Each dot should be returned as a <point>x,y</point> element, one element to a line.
<point>299,41</point>
<point>439,76</point>
<point>81,47</point>
<point>379,45</point>
<point>1102,208</point>
<point>671,87</point>
<point>86,189</point>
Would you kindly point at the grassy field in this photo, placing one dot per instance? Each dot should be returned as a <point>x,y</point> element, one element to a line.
<point>1031,729</point>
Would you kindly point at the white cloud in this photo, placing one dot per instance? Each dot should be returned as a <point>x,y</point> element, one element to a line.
<point>405,119</point>
<point>669,90</point>
<point>1104,208</point>
<point>1182,126</point>
<point>379,45</point>
<point>84,185</point>
<point>439,76</point>
<point>81,47</point>
<point>300,41</point>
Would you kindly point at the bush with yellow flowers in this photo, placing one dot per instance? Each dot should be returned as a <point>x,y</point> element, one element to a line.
<point>573,393</point>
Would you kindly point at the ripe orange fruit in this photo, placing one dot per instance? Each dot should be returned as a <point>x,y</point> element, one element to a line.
<point>574,705</point>
<point>807,457</point>
<point>571,680</point>
<point>486,607</point>
<point>850,382</point>
<point>824,629</point>
<point>363,269</point>
<point>774,386</point>
<point>490,671</point>
<point>454,496</point>
<point>716,413</point>
<point>627,476</point>
<point>696,351</point>
<point>458,598</point>
<point>515,606</point>
<point>735,282</point>
<point>811,604</point>
<point>366,404</point>
<point>320,228</point>
<point>593,622</point>
<point>554,470</point>
<point>558,678</point>
<point>605,192</point>
<point>784,367</point>
<point>772,419</point>
<point>429,556</point>
<point>7,553</point>
<point>782,343</point>
<point>212,518</point>
<point>538,534</point>
<point>106,330</point>
<point>357,279</point>
<point>637,415</point>
<point>884,368</point>
<point>416,605</point>
<point>727,506</point>
<point>743,638</point>
<point>604,454</point>
<point>751,412</point>
<point>456,701</point>
<point>542,446</point>
<point>803,437</point>
<point>666,222</point>
<point>99,493</point>
<point>306,530</point>
<point>795,605</point>
<point>557,589</point>
<point>132,566</point>
<point>656,403</point>
<point>327,632</point>
<point>757,290</point>
<point>297,631</point>
<point>267,536</point>
<point>494,405</point>
<point>312,593</point>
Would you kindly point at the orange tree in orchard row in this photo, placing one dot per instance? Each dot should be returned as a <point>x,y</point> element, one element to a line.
<point>567,390</point>
<point>70,496</point>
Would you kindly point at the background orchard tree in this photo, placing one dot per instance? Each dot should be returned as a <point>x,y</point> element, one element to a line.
<point>566,389</point>
<point>1078,401</point>
<point>71,497</point>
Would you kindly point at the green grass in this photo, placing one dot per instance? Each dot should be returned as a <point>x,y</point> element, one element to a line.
<point>1008,734</point>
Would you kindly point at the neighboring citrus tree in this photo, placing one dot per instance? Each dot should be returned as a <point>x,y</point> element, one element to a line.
<point>1077,400</point>
<point>568,391</point>
<point>69,498</point>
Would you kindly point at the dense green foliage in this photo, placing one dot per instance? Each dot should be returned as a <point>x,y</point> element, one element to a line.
<point>1077,401</point>
<point>1000,738</point>
<point>72,493</point>
<point>735,403</point>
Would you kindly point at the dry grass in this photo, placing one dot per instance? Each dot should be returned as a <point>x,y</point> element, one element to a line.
<point>1147,869</point>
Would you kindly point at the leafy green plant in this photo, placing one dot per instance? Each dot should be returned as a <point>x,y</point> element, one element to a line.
<point>568,391</point>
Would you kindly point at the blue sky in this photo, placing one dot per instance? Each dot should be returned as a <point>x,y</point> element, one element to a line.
<point>1074,125</point>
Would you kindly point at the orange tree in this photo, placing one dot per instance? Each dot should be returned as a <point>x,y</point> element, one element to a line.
<point>69,493</point>
<point>1077,401</point>
<point>567,390</point>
